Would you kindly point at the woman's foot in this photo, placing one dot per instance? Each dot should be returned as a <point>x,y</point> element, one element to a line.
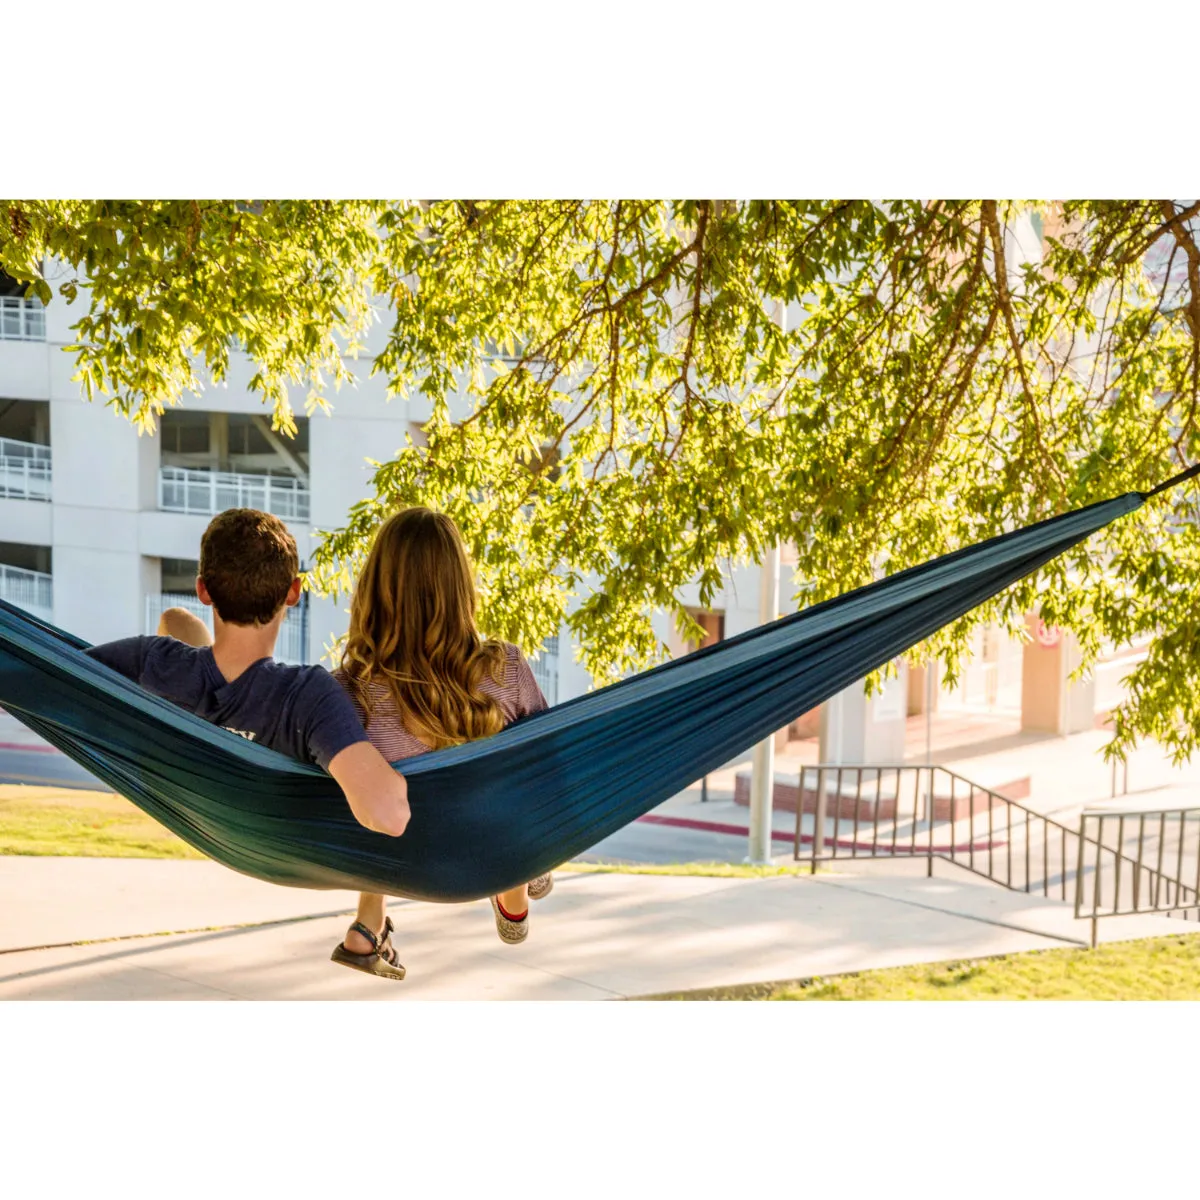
<point>513,928</point>
<point>373,953</point>
<point>541,887</point>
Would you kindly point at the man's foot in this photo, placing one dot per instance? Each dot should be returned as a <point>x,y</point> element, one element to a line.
<point>513,928</point>
<point>380,958</point>
<point>541,887</point>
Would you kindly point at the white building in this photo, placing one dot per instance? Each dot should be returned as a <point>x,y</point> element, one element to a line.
<point>100,528</point>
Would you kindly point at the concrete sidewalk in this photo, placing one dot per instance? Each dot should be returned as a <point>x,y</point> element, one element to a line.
<point>595,937</point>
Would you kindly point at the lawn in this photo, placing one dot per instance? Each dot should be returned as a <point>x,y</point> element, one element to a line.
<point>1153,969</point>
<point>56,821</point>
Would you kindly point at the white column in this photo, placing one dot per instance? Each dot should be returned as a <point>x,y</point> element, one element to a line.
<point>762,779</point>
<point>97,559</point>
<point>857,729</point>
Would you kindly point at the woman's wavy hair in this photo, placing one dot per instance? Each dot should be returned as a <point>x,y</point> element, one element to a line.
<point>412,626</point>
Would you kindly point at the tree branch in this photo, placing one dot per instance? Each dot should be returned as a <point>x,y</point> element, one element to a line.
<point>992,223</point>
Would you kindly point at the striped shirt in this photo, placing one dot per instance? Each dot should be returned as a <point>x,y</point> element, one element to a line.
<point>518,696</point>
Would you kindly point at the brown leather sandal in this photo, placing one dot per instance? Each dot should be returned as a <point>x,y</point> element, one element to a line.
<point>383,959</point>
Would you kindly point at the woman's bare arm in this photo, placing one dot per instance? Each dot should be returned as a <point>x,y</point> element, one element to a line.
<point>376,792</point>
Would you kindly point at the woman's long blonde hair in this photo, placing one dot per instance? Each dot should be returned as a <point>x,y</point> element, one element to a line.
<point>412,626</point>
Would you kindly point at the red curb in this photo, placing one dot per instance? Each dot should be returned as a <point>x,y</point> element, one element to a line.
<point>711,826</point>
<point>29,749</point>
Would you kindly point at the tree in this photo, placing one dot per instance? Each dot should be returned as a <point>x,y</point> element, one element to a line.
<point>639,419</point>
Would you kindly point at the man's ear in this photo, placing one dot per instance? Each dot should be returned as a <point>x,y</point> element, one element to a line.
<point>293,596</point>
<point>202,592</point>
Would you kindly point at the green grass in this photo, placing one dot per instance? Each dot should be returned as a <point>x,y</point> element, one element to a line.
<point>59,821</point>
<point>50,821</point>
<point>1153,969</point>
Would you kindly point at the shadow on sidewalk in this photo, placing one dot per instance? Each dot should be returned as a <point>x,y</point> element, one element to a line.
<point>153,942</point>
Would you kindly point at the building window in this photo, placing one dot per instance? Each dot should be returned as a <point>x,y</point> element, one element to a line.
<point>241,443</point>
<point>22,320</point>
<point>179,576</point>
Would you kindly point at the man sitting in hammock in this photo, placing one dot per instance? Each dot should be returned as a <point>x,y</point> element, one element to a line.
<point>249,573</point>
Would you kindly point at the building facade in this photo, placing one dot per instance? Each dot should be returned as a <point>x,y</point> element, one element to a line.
<point>100,527</point>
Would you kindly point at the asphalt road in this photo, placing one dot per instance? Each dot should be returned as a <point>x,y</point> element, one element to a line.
<point>46,770</point>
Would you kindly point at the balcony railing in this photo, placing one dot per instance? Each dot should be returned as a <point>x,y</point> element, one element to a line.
<point>293,635</point>
<point>24,470</point>
<point>206,493</point>
<point>22,319</point>
<point>30,590</point>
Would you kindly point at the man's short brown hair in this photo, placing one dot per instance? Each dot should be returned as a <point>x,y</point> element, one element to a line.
<point>248,561</point>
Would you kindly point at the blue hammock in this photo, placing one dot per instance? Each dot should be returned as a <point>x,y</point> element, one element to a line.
<point>491,814</point>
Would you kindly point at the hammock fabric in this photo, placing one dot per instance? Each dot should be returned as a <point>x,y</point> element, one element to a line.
<point>491,814</point>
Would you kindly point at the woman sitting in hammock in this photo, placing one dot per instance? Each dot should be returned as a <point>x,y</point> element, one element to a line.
<point>422,678</point>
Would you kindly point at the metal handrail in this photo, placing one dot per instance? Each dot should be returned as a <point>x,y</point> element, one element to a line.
<point>1171,841</point>
<point>31,590</point>
<point>24,479</point>
<point>25,472</point>
<point>291,646</point>
<point>15,448</point>
<point>1003,841</point>
<point>206,493</point>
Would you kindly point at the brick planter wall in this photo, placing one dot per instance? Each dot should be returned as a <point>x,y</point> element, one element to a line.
<point>787,796</point>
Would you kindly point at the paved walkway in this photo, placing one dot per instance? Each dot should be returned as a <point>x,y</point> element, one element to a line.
<point>596,937</point>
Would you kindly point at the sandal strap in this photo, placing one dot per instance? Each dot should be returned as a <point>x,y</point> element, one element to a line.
<point>386,950</point>
<point>370,935</point>
<point>380,942</point>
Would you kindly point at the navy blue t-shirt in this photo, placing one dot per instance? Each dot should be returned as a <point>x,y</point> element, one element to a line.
<point>299,711</point>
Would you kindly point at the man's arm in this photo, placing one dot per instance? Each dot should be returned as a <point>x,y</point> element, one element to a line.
<point>126,656</point>
<point>377,794</point>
